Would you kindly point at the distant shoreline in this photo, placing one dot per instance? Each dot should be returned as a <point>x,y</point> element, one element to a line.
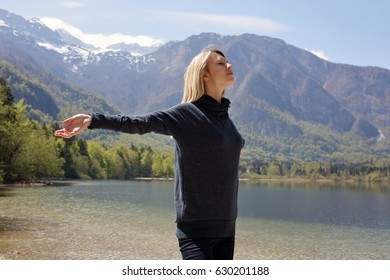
<point>62,181</point>
<point>298,180</point>
<point>56,181</point>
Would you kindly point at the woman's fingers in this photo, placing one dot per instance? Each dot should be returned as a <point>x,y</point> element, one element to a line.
<point>62,133</point>
<point>66,133</point>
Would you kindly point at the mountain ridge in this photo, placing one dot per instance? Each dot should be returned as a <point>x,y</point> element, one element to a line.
<point>281,90</point>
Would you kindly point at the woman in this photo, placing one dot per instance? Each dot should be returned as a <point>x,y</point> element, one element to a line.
<point>207,151</point>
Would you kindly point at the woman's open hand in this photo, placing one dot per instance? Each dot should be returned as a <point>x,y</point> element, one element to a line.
<point>74,125</point>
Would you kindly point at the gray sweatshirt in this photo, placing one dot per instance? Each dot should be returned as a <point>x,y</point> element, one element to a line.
<point>207,152</point>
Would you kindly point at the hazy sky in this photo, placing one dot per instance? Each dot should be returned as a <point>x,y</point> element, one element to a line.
<point>344,31</point>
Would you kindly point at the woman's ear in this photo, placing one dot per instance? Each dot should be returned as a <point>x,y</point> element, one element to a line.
<point>206,76</point>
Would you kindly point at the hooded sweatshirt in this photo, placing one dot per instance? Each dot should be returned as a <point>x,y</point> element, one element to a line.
<point>207,151</point>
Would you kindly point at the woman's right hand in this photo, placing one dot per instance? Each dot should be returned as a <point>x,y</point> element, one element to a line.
<point>74,125</point>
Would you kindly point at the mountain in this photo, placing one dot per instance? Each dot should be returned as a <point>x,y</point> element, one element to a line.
<point>48,96</point>
<point>286,101</point>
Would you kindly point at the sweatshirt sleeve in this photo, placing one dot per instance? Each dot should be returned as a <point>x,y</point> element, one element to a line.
<point>158,122</point>
<point>166,122</point>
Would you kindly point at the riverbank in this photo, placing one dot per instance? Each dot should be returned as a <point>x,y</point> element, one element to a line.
<point>154,179</point>
<point>23,184</point>
<point>40,183</point>
<point>68,181</point>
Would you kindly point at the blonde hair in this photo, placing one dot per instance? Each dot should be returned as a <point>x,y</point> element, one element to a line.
<point>193,76</point>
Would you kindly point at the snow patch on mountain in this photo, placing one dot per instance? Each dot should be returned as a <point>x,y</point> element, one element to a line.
<point>2,23</point>
<point>48,46</point>
<point>380,136</point>
<point>76,56</point>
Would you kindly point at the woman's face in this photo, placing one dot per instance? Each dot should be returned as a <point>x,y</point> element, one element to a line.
<point>219,71</point>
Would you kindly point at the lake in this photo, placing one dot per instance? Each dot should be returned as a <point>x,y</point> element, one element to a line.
<point>135,220</point>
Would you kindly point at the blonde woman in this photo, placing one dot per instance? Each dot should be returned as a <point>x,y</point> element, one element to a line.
<point>207,151</point>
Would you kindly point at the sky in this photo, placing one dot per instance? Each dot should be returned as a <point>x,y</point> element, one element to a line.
<point>353,32</point>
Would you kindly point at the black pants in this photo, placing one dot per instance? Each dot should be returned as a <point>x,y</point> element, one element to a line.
<point>207,248</point>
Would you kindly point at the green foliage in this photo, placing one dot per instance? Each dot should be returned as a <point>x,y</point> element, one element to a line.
<point>358,171</point>
<point>6,97</point>
<point>116,162</point>
<point>27,149</point>
<point>162,164</point>
<point>316,143</point>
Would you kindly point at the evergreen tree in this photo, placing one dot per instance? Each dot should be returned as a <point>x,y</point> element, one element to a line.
<point>27,153</point>
<point>6,97</point>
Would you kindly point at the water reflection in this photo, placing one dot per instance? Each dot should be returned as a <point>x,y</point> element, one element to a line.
<point>4,192</point>
<point>8,224</point>
<point>382,187</point>
<point>326,202</point>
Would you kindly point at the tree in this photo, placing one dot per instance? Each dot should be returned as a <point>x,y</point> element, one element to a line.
<point>6,97</point>
<point>98,163</point>
<point>162,165</point>
<point>27,152</point>
<point>146,162</point>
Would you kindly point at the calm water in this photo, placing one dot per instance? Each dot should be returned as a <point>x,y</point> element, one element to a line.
<point>135,220</point>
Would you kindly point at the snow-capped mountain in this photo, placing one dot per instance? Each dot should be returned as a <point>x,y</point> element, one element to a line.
<point>75,52</point>
<point>29,30</point>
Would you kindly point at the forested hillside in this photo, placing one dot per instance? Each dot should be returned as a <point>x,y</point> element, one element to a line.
<point>29,152</point>
<point>48,97</point>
